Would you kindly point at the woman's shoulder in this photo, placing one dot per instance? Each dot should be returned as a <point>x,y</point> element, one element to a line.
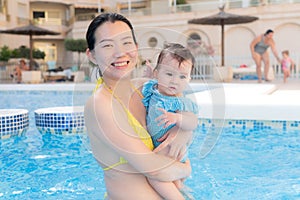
<point>259,37</point>
<point>139,82</point>
<point>99,98</point>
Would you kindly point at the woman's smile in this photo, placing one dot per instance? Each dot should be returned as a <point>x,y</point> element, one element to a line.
<point>120,65</point>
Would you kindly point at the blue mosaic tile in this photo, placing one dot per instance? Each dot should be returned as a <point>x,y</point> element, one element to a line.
<point>64,121</point>
<point>13,122</point>
<point>250,125</point>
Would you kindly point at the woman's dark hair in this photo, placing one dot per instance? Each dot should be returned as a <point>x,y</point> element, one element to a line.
<point>101,19</point>
<point>268,31</point>
<point>176,51</point>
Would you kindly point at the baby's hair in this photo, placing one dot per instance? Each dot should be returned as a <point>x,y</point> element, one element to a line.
<point>285,52</point>
<point>176,51</point>
<point>268,31</point>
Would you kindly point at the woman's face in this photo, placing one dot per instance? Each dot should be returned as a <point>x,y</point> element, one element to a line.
<point>173,79</point>
<point>115,51</point>
<point>270,35</point>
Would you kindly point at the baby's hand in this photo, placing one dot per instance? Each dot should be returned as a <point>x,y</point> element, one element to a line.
<point>167,118</point>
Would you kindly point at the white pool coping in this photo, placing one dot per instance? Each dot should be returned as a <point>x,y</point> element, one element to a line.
<point>64,109</point>
<point>249,101</point>
<point>48,87</point>
<point>12,112</point>
<point>222,101</point>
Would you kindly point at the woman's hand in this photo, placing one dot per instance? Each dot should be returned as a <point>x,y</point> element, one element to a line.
<point>177,141</point>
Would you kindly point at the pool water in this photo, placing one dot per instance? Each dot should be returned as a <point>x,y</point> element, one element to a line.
<point>242,165</point>
<point>249,165</point>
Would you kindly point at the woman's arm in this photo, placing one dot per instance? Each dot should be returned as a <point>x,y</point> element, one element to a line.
<point>111,127</point>
<point>176,141</point>
<point>253,43</point>
<point>274,50</point>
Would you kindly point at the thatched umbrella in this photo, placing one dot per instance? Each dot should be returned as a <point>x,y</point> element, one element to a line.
<point>223,18</point>
<point>29,30</point>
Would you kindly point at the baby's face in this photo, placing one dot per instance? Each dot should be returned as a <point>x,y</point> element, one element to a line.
<point>284,55</point>
<point>172,78</point>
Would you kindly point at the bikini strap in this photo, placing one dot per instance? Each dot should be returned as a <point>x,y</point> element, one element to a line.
<point>134,123</point>
<point>121,161</point>
<point>137,90</point>
<point>98,84</point>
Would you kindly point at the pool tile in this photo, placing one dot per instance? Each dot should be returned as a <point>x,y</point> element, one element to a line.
<point>13,122</point>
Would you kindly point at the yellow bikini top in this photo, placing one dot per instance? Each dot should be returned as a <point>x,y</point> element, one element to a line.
<point>133,122</point>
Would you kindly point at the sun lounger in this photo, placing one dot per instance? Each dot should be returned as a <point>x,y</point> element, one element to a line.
<point>31,76</point>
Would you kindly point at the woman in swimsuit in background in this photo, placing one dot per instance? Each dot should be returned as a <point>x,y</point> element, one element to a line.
<point>259,52</point>
<point>115,116</point>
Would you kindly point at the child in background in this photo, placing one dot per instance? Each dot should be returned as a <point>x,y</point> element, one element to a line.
<point>166,107</point>
<point>287,63</point>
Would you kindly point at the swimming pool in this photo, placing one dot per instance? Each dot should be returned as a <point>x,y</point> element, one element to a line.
<point>260,162</point>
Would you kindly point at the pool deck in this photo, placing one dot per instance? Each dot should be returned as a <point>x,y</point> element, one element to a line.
<point>236,100</point>
<point>250,100</point>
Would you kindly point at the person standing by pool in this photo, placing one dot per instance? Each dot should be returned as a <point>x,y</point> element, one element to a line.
<point>18,70</point>
<point>286,64</point>
<point>167,107</point>
<point>259,47</point>
<point>115,116</point>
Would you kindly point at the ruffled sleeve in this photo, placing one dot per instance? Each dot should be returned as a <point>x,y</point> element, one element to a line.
<point>147,91</point>
<point>190,106</point>
<point>180,104</point>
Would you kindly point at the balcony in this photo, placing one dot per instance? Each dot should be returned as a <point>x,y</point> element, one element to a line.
<point>138,9</point>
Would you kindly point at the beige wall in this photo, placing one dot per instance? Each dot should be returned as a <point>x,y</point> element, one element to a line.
<point>174,28</point>
<point>284,19</point>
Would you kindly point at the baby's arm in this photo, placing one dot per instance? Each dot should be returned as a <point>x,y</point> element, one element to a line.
<point>184,120</point>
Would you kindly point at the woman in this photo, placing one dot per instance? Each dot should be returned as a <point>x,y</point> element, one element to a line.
<point>18,70</point>
<point>115,116</point>
<point>259,52</point>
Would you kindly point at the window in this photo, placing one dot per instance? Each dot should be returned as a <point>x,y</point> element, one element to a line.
<point>152,42</point>
<point>22,10</point>
<point>2,6</point>
<point>38,14</point>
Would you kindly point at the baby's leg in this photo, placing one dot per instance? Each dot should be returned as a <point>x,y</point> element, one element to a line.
<point>285,75</point>
<point>167,190</point>
<point>179,138</point>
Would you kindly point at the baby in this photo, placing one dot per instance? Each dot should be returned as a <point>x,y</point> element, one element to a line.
<point>286,64</point>
<point>166,107</point>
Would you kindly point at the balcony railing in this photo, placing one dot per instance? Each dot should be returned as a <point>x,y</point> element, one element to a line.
<point>50,21</point>
<point>204,66</point>
<point>203,6</point>
<point>85,16</point>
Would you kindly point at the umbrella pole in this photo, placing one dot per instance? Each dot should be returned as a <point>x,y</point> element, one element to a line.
<point>222,42</point>
<point>30,51</point>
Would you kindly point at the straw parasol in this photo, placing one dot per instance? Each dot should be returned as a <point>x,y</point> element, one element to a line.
<point>223,18</point>
<point>29,30</point>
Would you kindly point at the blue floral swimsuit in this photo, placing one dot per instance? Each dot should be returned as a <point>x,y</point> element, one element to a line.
<point>153,100</point>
